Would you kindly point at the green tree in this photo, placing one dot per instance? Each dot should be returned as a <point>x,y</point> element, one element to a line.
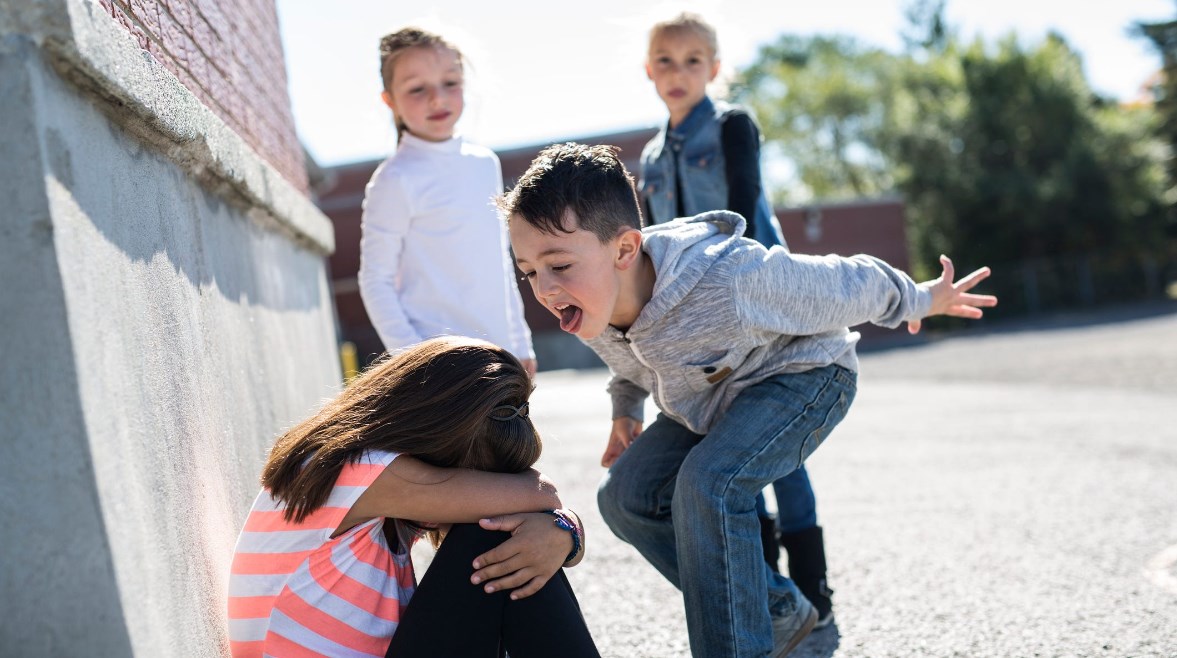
<point>1032,165</point>
<point>1002,152</point>
<point>821,102</point>
<point>1163,37</point>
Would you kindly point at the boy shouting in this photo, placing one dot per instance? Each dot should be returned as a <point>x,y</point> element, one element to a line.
<point>747,354</point>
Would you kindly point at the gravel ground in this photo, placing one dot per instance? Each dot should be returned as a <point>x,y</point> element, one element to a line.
<point>1009,492</point>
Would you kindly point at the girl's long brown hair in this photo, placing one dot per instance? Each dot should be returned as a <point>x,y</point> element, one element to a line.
<point>435,401</point>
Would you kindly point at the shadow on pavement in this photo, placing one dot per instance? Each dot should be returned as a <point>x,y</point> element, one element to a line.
<point>821,643</point>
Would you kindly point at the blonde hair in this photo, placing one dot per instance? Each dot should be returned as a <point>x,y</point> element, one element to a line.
<point>392,46</point>
<point>687,23</point>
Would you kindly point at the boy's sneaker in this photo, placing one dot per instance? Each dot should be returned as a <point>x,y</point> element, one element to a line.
<point>789,630</point>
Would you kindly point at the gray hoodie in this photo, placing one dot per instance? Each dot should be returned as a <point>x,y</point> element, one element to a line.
<point>726,313</point>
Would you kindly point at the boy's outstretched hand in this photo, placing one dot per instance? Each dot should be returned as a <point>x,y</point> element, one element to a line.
<point>950,298</point>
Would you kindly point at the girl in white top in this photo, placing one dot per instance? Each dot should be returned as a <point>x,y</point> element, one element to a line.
<point>434,256</point>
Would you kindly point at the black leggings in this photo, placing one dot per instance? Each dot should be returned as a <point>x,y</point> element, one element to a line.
<point>449,616</point>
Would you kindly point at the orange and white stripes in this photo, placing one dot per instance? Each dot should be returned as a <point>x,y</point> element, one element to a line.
<point>294,591</point>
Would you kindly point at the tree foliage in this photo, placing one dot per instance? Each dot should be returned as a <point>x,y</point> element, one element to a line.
<point>1163,37</point>
<point>1001,151</point>
<point>818,101</point>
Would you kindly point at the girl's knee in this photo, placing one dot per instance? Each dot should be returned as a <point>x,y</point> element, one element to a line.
<point>471,538</point>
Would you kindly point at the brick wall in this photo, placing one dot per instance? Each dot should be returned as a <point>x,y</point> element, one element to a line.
<point>229,55</point>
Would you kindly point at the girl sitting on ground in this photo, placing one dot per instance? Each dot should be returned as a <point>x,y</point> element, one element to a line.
<point>435,440</point>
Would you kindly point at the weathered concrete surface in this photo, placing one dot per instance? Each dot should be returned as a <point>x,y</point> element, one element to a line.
<point>159,324</point>
<point>1002,494</point>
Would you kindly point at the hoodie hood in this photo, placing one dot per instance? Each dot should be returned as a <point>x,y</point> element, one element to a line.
<point>682,251</point>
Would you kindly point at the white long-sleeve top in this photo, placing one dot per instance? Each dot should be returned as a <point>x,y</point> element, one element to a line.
<point>434,255</point>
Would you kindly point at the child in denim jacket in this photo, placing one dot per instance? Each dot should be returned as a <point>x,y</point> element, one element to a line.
<point>707,157</point>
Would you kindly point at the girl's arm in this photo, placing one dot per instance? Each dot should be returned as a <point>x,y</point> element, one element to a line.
<point>409,488</point>
<point>740,140</point>
<point>537,549</point>
<point>520,333</point>
<point>385,223</point>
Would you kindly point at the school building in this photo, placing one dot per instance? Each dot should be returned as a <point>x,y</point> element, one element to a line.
<point>873,226</point>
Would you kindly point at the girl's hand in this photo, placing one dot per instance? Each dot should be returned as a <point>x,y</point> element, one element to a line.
<point>524,563</point>
<point>625,430</point>
<point>950,298</point>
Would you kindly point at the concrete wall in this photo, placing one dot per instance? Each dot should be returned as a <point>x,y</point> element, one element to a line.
<point>164,313</point>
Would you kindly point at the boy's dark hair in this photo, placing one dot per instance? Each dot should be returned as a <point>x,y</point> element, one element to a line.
<point>588,180</point>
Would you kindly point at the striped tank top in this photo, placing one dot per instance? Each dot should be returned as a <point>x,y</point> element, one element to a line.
<point>295,591</point>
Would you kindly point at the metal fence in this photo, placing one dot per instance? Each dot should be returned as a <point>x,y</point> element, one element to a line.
<point>1045,285</point>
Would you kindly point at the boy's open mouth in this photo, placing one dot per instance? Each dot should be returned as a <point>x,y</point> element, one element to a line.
<point>570,317</point>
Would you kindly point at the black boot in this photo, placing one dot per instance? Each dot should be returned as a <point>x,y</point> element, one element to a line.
<point>807,568</point>
<point>768,538</point>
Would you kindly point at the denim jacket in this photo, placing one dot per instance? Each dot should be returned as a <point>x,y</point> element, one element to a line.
<point>695,150</point>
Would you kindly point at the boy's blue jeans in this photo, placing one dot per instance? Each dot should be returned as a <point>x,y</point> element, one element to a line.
<point>687,502</point>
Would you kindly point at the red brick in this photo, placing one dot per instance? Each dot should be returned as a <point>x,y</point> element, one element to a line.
<point>161,55</point>
<point>205,37</point>
<point>214,16</point>
<point>179,11</point>
<point>130,25</point>
<point>198,65</point>
<point>147,11</point>
<point>230,56</point>
<point>174,40</point>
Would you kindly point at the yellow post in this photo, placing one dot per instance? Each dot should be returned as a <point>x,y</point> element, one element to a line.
<point>347,358</point>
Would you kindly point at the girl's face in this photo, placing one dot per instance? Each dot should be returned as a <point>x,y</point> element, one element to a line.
<point>426,93</point>
<point>680,64</point>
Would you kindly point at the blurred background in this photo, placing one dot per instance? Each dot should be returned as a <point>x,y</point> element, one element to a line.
<point>1033,137</point>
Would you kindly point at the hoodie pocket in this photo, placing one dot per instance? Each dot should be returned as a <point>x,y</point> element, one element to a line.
<point>705,374</point>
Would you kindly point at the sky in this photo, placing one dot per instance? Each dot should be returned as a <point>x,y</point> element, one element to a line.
<point>542,71</point>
